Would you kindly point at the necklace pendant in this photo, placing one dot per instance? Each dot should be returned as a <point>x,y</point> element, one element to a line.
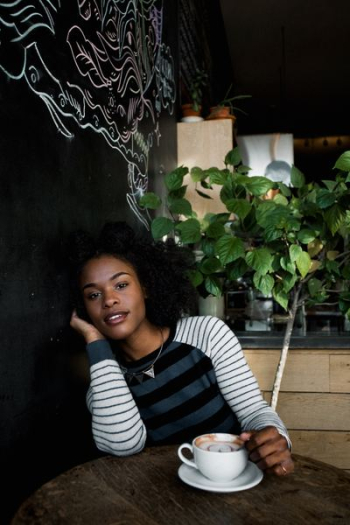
<point>149,372</point>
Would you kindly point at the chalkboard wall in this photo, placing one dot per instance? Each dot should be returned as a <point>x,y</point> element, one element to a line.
<point>87,105</point>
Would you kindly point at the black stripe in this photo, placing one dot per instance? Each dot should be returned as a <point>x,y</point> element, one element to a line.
<point>222,421</point>
<point>200,401</point>
<point>196,371</point>
<point>172,356</point>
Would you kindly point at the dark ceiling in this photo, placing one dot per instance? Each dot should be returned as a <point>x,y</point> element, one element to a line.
<point>293,58</point>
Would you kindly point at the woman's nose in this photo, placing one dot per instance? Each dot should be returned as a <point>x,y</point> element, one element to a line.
<point>111,298</point>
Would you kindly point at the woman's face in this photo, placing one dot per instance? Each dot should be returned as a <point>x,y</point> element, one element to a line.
<point>113,296</point>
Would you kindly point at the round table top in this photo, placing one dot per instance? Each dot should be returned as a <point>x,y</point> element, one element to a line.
<point>145,489</point>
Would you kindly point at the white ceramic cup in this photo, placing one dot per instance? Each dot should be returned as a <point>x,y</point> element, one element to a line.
<point>219,457</point>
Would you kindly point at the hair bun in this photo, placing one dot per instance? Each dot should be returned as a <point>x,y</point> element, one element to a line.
<point>117,234</point>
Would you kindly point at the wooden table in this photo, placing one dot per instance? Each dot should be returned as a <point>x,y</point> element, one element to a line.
<point>145,490</point>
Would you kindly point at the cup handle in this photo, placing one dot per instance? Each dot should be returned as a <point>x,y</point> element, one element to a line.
<point>189,462</point>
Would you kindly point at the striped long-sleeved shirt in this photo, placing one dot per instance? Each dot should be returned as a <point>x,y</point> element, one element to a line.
<point>202,384</point>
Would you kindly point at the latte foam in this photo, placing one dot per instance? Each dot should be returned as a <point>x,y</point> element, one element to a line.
<point>211,443</point>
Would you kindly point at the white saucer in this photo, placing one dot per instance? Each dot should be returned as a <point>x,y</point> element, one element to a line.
<point>250,477</point>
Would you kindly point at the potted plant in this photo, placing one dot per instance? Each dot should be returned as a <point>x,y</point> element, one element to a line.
<point>292,246</point>
<point>226,109</point>
<point>195,93</point>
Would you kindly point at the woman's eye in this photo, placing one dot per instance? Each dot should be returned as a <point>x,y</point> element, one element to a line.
<point>120,286</point>
<point>93,295</point>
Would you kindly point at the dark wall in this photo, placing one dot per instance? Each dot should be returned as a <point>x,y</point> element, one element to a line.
<point>87,103</point>
<point>203,46</point>
<point>292,57</point>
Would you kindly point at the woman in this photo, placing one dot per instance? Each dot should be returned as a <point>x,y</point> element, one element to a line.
<point>159,376</point>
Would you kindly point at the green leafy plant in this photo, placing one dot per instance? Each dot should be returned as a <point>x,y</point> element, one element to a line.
<point>293,246</point>
<point>229,101</point>
<point>198,82</point>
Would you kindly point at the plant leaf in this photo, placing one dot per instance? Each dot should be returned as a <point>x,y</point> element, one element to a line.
<point>174,179</point>
<point>303,263</point>
<point>343,162</point>
<point>259,185</point>
<point>206,185</point>
<point>161,226</point>
<point>330,184</point>
<point>314,247</point>
<point>268,214</point>
<point>197,174</point>
<point>332,254</point>
<point>297,177</point>
<point>314,285</point>
<point>334,218</point>
<point>229,248</point>
<point>241,207</point>
<point>215,230</point>
<point>294,252</point>
<point>325,198</point>
<point>333,267</point>
<point>233,157</point>
<point>227,191</point>
<point>217,176</point>
<point>207,247</point>
<point>284,189</point>
<point>195,277</point>
<point>281,297</point>
<point>315,265</point>
<point>264,283</point>
<point>271,233</point>
<point>177,194</point>
<point>210,265</point>
<point>306,236</point>
<point>213,285</point>
<point>237,269</point>
<point>243,169</point>
<point>204,195</point>
<point>287,265</point>
<point>189,230</point>
<point>289,281</point>
<point>280,199</point>
<point>260,260</point>
<point>181,207</point>
<point>150,201</point>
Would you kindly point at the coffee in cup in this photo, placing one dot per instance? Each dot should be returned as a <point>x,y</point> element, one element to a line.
<point>219,457</point>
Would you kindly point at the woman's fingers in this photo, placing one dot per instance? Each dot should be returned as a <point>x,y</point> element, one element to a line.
<point>269,450</point>
<point>85,329</point>
<point>282,469</point>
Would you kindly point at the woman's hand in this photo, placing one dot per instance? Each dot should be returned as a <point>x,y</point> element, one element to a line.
<point>87,330</point>
<point>269,450</point>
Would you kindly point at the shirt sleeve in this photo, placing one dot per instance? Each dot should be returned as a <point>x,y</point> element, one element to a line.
<point>237,382</point>
<point>117,426</point>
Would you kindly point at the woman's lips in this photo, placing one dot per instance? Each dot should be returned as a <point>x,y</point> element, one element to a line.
<point>115,318</point>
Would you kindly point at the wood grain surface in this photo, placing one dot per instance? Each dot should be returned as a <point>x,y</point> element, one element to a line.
<point>145,489</point>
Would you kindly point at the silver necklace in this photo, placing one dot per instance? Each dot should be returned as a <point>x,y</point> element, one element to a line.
<point>149,371</point>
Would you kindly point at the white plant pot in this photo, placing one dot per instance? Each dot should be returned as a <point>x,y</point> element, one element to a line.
<point>212,305</point>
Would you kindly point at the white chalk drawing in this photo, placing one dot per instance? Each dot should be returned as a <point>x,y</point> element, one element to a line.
<point>108,72</point>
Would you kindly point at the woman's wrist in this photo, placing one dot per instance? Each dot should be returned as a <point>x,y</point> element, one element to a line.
<point>91,337</point>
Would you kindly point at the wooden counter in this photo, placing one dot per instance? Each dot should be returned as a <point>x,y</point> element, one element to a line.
<point>314,401</point>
